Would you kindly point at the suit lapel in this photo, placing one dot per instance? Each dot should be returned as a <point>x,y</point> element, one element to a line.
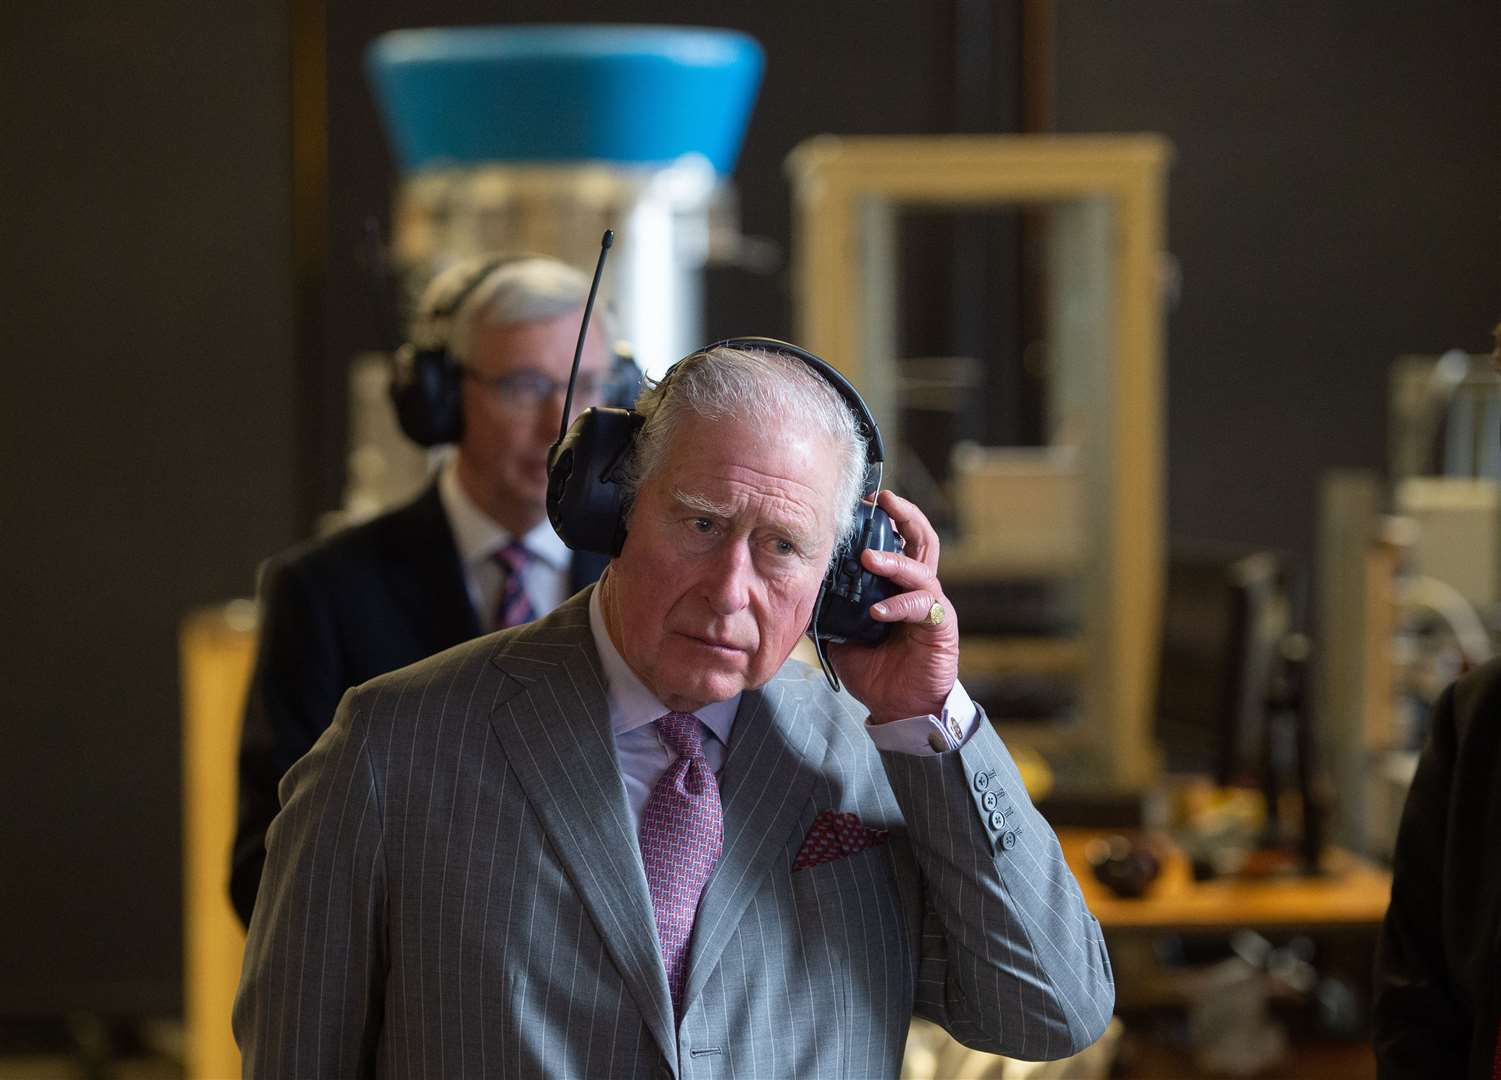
<point>552,720</point>
<point>428,580</point>
<point>766,780</point>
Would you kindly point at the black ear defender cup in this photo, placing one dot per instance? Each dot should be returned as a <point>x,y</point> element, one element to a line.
<point>426,383</point>
<point>585,496</point>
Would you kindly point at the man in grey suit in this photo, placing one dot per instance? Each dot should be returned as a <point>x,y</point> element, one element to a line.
<point>634,839</point>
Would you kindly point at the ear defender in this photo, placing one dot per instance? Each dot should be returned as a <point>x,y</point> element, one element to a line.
<point>425,385</point>
<point>585,492</point>
<point>586,497</point>
<point>425,392</point>
<point>843,609</point>
<point>586,504</point>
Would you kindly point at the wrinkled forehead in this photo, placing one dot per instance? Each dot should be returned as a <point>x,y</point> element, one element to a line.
<point>741,471</point>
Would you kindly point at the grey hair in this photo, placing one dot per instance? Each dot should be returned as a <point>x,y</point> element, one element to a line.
<point>521,289</point>
<point>762,387</point>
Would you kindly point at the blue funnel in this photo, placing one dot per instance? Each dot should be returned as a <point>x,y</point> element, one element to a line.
<point>632,94</point>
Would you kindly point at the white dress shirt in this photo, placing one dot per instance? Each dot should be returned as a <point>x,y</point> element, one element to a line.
<point>478,538</point>
<point>644,757</point>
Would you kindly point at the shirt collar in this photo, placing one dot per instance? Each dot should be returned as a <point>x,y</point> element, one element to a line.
<point>478,537</point>
<point>632,705</point>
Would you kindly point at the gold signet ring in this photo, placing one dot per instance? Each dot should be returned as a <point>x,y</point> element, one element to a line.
<point>935,614</point>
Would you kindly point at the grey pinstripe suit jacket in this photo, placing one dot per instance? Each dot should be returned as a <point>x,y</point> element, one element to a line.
<point>453,888</point>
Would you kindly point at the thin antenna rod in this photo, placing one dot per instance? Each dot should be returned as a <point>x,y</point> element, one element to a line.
<point>578,351</point>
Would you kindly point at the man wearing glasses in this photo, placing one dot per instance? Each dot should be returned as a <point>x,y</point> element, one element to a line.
<point>473,553</point>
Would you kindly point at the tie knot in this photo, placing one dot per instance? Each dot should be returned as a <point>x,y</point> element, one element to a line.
<point>513,557</point>
<point>682,732</point>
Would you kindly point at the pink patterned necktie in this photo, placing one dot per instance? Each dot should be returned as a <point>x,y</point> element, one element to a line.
<point>513,608</point>
<point>682,834</point>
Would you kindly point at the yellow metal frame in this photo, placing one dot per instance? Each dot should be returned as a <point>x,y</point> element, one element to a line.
<point>216,650</point>
<point>845,192</point>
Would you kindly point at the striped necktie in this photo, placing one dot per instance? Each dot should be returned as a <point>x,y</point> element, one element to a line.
<point>682,835</point>
<point>513,608</point>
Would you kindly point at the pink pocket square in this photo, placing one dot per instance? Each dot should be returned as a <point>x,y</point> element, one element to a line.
<point>834,835</point>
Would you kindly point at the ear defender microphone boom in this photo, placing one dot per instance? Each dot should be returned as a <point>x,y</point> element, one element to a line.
<point>584,496</point>
<point>587,507</point>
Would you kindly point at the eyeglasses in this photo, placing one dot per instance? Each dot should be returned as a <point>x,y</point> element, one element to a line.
<point>529,388</point>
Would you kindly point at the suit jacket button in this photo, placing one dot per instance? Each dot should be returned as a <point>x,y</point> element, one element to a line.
<point>982,781</point>
<point>1008,840</point>
<point>998,821</point>
<point>988,801</point>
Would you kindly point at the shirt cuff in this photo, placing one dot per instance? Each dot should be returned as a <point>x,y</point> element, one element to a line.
<point>928,736</point>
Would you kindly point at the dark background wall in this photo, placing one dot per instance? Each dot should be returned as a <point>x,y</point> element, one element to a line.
<point>146,434</point>
<point>170,418</point>
<point>1335,202</point>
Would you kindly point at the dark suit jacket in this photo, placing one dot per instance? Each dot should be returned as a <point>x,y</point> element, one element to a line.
<point>335,613</point>
<point>455,889</point>
<point>1438,965</point>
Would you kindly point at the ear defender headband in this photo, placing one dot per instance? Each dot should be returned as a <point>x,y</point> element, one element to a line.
<point>586,500</point>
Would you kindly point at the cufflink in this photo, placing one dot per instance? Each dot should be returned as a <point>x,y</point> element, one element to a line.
<point>936,741</point>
